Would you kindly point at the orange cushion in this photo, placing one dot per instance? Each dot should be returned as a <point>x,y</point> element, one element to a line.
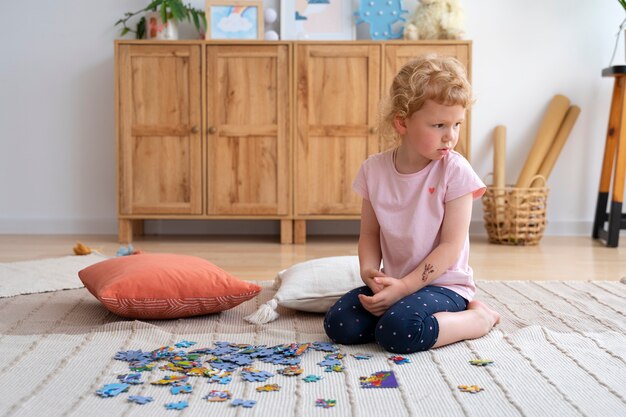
<point>164,286</point>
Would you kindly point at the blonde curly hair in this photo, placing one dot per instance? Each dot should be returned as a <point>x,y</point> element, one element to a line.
<point>442,79</point>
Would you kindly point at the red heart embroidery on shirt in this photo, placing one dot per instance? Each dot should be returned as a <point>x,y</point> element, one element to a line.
<point>431,189</point>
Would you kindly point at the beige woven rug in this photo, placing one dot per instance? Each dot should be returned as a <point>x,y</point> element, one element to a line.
<point>42,275</point>
<point>559,351</point>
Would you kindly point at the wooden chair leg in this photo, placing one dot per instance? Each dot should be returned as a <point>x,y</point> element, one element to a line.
<point>613,132</point>
<point>617,197</point>
<point>299,234</point>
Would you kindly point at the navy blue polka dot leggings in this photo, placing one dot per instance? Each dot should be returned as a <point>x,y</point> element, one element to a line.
<point>407,326</point>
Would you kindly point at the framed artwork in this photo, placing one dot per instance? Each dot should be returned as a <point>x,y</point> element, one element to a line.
<point>317,20</point>
<point>234,19</point>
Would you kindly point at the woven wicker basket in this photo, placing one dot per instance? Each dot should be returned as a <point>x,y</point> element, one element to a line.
<point>515,216</point>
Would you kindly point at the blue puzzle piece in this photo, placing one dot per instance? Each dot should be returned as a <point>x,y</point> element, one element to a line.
<point>244,403</point>
<point>112,390</point>
<point>185,344</point>
<point>324,346</point>
<point>177,406</point>
<point>329,362</point>
<point>311,378</point>
<point>257,376</point>
<point>220,379</point>
<point>241,360</point>
<point>133,379</point>
<point>138,399</point>
<point>132,355</point>
<point>181,389</point>
<point>224,366</point>
<point>260,353</point>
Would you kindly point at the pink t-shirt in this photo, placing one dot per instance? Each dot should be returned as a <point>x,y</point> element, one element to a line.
<point>410,210</point>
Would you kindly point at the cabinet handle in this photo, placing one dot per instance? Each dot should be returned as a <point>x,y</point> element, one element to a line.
<point>212,130</point>
<point>194,129</point>
<point>372,130</point>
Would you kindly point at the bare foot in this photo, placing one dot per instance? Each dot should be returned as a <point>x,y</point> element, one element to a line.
<point>492,317</point>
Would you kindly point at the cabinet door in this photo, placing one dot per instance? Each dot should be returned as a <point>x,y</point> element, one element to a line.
<point>398,55</point>
<point>247,129</point>
<point>336,113</point>
<point>160,150</point>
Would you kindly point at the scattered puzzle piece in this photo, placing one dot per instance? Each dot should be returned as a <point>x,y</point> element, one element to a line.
<point>170,379</point>
<point>112,390</point>
<point>255,375</point>
<point>382,379</point>
<point>244,403</point>
<point>399,360</point>
<point>216,396</point>
<point>361,356</point>
<point>138,399</point>
<point>177,406</point>
<point>320,402</point>
<point>268,388</point>
<point>481,362</point>
<point>291,370</point>
<point>181,389</point>
<point>472,389</point>
<point>311,378</point>
<point>185,344</point>
<point>133,379</point>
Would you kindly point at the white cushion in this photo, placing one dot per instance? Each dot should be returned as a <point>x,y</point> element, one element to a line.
<point>312,286</point>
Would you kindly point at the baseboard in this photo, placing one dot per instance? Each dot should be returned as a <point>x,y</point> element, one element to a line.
<point>236,227</point>
<point>96,226</point>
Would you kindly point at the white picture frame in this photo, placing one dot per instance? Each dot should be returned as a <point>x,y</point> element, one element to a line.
<point>330,20</point>
<point>235,19</point>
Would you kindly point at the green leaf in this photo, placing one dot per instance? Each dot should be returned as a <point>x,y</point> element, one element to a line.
<point>124,31</point>
<point>178,9</point>
<point>164,12</point>
<point>196,21</point>
<point>203,15</point>
<point>153,6</point>
<point>141,28</point>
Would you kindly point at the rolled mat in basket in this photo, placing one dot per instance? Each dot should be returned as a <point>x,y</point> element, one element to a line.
<point>543,140</point>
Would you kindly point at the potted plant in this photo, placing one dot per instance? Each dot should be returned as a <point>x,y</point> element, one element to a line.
<point>621,27</point>
<point>160,19</point>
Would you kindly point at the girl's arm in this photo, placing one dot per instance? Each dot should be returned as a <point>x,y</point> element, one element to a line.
<point>456,221</point>
<point>370,253</point>
<point>458,213</point>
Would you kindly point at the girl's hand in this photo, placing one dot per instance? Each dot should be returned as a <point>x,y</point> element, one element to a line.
<point>393,290</point>
<point>368,277</point>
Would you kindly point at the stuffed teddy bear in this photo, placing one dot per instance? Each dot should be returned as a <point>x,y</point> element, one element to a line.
<point>435,19</point>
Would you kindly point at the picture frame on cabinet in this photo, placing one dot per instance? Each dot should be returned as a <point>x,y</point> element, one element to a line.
<point>236,19</point>
<point>317,20</point>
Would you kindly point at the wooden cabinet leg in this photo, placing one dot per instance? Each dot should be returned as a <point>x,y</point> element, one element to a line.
<point>299,234</point>
<point>125,231</point>
<point>137,227</point>
<point>286,231</point>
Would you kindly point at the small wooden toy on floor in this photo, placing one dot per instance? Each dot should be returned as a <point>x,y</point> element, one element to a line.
<point>80,249</point>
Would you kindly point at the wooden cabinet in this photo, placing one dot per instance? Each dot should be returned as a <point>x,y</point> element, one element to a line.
<point>160,150</point>
<point>247,136</point>
<point>337,98</point>
<point>203,132</point>
<point>252,129</point>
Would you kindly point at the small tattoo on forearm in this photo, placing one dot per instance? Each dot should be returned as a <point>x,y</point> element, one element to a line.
<point>428,269</point>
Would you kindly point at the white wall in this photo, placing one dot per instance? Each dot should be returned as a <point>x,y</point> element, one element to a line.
<point>57,154</point>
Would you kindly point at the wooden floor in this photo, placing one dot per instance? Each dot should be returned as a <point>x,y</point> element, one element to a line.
<point>259,258</point>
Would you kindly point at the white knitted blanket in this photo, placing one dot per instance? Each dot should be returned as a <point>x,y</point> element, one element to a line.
<point>559,351</point>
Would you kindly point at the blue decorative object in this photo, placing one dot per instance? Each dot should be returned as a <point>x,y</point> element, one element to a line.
<point>381,15</point>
